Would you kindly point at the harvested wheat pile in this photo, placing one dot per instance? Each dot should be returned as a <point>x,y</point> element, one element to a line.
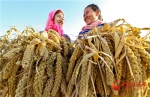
<point>113,60</point>
<point>32,65</point>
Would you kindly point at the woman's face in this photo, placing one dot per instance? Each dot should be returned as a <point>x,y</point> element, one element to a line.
<point>90,15</point>
<point>59,19</point>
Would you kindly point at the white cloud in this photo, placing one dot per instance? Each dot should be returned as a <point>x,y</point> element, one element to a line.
<point>132,10</point>
<point>135,12</point>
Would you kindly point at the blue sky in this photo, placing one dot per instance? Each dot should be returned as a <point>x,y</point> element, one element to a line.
<point>35,13</point>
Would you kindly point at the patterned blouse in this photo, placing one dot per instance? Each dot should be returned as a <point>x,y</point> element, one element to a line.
<point>83,34</point>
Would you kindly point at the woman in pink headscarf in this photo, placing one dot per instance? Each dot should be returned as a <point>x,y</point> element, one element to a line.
<point>56,21</point>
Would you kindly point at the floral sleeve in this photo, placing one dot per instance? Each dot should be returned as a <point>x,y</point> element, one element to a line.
<point>83,34</point>
<point>67,37</point>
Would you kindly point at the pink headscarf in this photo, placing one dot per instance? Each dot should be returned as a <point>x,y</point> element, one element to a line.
<point>51,25</point>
